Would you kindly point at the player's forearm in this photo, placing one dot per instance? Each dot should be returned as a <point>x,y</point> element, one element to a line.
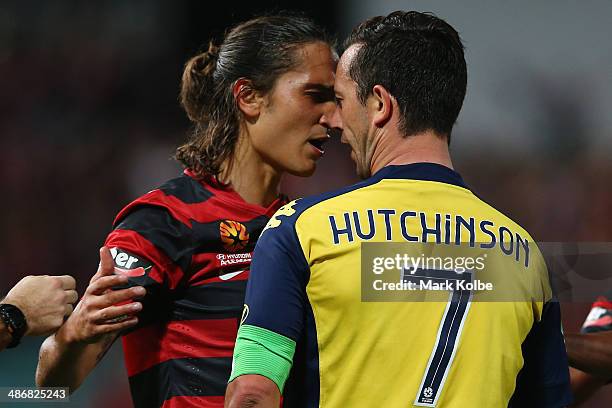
<point>66,363</point>
<point>591,353</point>
<point>59,363</point>
<point>584,385</point>
<point>250,392</point>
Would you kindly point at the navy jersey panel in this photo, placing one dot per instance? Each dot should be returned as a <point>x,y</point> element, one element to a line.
<point>279,274</point>
<point>544,380</point>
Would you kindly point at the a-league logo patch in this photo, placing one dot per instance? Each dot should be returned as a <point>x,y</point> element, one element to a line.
<point>234,235</point>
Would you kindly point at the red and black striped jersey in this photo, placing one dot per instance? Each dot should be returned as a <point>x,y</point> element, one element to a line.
<point>189,243</point>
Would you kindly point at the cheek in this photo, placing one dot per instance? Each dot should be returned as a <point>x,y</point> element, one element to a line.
<point>294,128</point>
<point>265,138</point>
<point>292,117</point>
<point>356,126</point>
<point>281,139</point>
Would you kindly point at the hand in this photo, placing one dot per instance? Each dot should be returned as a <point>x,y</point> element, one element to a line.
<point>103,310</point>
<point>44,301</point>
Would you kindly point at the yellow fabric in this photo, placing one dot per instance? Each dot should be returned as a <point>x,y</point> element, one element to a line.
<point>374,354</point>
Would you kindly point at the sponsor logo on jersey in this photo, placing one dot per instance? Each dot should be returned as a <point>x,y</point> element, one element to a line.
<point>230,275</point>
<point>128,264</point>
<point>243,258</point>
<point>234,235</point>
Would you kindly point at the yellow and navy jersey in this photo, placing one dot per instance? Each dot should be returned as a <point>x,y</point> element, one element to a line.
<point>305,309</point>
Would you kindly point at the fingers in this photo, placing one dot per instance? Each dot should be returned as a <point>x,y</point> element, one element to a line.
<point>95,330</point>
<point>106,267</point>
<point>68,309</point>
<point>120,296</point>
<point>108,328</point>
<point>67,282</point>
<point>103,283</point>
<point>117,313</point>
<point>71,296</point>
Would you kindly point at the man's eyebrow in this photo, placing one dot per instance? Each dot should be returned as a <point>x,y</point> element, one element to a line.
<point>319,87</point>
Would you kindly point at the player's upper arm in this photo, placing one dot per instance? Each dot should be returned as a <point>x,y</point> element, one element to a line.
<point>154,250</point>
<point>274,304</point>
<point>544,379</point>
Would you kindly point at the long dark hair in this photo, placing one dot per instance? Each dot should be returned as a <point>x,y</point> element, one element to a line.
<point>259,50</point>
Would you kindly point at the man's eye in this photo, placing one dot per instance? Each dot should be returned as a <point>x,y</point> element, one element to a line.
<point>339,102</point>
<point>320,97</point>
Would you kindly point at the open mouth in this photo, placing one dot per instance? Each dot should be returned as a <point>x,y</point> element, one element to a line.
<point>318,143</point>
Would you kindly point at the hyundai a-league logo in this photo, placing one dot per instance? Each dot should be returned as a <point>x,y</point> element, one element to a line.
<point>234,235</point>
<point>428,392</point>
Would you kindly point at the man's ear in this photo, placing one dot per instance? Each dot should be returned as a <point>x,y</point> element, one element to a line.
<point>248,100</point>
<point>380,104</point>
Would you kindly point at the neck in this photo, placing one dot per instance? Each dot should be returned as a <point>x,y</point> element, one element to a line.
<point>397,149</point>
<point>254,180</point>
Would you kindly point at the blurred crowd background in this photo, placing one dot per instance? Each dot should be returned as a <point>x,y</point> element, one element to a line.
<point>89,120</point>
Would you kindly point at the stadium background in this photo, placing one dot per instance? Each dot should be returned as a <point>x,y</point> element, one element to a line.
<point>89,120</point>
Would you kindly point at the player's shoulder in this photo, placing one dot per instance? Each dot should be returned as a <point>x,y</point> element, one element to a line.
<point>180,197</point>
<point>289,214</point>
<point>489,211</point>
<point>158,225</point>
<point>186,188</point>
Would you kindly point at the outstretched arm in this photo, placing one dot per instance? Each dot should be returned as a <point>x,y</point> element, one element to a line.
<point>68,356</point>
<point>591,353</point>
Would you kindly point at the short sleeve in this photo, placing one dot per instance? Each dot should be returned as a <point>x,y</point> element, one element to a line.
<point>154,250</point>
<point>544,379</point>
<point>275,302</point>
<point>276,290</point>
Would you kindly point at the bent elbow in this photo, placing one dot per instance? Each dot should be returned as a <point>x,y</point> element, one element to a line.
<point>252,391</point>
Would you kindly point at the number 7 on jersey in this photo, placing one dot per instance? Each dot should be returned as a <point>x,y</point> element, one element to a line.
<point>449,331</point>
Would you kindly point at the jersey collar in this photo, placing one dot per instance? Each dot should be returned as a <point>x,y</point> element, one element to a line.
<point>421,171</point>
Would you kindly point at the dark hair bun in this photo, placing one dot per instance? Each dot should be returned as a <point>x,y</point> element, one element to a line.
<point>197,84</point>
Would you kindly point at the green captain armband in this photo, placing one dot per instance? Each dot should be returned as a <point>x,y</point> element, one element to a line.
<point>264,352</point>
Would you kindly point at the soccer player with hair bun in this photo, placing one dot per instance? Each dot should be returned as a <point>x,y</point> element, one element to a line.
<point>178,257</point>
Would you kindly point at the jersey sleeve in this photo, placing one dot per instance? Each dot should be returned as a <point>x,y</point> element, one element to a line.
<point>275,301</point>
<point>599,318</point>
<point>152,248</point>
<point>544,379</point>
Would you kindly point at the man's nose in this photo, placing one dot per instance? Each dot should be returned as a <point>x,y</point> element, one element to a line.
<point>331,119</point>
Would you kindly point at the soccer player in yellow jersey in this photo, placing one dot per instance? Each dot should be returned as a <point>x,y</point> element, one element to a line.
<point>308,330</point>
